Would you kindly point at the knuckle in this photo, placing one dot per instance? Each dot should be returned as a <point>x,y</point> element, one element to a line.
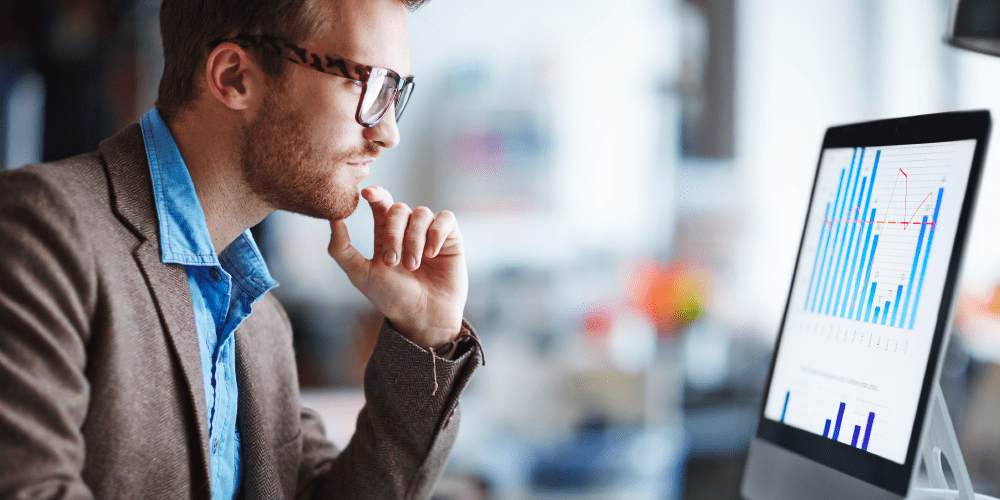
<point>399,209</point>
<point>436,233</point>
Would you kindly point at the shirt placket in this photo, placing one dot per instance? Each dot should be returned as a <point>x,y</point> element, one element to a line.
<point>225,447</point>
<point>221,283</point>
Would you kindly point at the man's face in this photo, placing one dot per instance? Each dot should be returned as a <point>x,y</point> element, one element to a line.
<point>304,152</point>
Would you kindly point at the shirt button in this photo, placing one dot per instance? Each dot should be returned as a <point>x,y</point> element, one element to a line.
<point>215,445</point>
<point>214,273</point>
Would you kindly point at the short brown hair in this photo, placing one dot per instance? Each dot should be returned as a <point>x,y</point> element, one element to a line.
<point>188,27</point>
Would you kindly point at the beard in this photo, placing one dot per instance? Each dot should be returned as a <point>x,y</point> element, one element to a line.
<point>283,167</point>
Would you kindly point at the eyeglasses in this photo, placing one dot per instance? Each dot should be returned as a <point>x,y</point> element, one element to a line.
<point>380,87</point>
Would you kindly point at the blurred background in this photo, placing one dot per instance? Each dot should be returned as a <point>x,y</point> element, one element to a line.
<point>631,178</point>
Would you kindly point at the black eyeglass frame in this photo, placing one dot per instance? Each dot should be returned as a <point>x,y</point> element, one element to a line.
<point>342,67</point>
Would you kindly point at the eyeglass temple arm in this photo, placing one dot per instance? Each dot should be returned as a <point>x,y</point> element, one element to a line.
<point>332,66</point>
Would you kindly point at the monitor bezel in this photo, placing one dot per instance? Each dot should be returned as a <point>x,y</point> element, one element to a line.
<point>923,129</point>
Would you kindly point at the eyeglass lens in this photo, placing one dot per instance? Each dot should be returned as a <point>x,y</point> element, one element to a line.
<point>381,89</point>
<point>402,98</point>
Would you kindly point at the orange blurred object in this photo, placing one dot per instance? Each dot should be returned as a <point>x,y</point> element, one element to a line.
<point>672,295</point>
<point>994,305</point>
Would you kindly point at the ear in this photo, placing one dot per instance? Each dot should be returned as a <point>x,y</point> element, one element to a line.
<point>232,77</point>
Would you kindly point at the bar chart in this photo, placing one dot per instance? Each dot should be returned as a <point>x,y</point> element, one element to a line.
<point>876,238</point>
<point>857,428</point>
<point>845,422</point>
<point>867,293</point>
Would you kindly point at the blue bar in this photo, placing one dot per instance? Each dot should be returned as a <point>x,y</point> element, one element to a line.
<point>809,291</point>
<point>877,309</point>
<point>868,430</point>
<point>833,244</point>
<point>785,409</point>
<point>895,305</point>
<point>854,439</point>
<point>840,418</point>
<point>826,430</point>
<point>857,248</point>
<point>842,291</point>
<point>858,291</point>
<point>913,271</point>
<point>871,260</point>
<point>885,313</point>
<point>927,254</point>
<point>871,299</point>
<point>826,245</point>
<point>841,259</point>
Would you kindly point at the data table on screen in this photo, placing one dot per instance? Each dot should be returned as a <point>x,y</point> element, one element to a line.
<point>867,290</point>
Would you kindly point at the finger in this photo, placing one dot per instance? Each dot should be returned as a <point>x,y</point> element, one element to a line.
<point>392,234</point>
<point>445,226</point>
<point>416,235</point>
<point>348,258</point>
<point>379,199</point>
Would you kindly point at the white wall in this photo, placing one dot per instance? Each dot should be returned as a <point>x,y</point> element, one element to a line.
<point>978,90</point>
<point>604,61</point>
<point>799,70</point>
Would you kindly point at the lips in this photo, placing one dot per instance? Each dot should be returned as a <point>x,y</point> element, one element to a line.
<point>363,161</point>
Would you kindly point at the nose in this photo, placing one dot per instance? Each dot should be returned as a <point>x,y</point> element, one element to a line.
<point>385,133</point>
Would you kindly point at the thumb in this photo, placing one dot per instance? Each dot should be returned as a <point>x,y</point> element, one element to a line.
<point>348,258</point>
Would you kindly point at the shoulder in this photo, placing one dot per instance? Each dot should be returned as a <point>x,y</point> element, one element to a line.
<point>72,182</point>
<point>59,215</point>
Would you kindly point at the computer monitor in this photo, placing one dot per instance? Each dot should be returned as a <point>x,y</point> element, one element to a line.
<point>868,314</point>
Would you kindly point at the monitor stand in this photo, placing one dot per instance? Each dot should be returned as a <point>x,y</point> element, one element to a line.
<point>939,439</point>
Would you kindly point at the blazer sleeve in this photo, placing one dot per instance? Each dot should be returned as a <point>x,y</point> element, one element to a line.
<point>47,294</point>
<point>404,432</point>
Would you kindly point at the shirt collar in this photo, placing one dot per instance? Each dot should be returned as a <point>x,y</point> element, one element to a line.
<point>184,236</point>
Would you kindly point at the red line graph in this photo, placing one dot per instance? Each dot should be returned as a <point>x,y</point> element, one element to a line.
<point>906,184</point>
<point>885,220</point>
<point>906,194</point>
<point>902,222</point>
<point>918,208</point>
<point>905,223</point>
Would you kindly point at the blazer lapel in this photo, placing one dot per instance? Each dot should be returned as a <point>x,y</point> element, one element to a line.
<point>132,199</point>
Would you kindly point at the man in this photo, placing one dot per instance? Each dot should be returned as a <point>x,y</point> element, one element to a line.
<point>140,352</point>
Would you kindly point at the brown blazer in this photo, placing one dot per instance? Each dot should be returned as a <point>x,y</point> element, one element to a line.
<point>100,378</point>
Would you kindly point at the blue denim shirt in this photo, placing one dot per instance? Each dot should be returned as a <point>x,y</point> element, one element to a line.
<point>223,289</point>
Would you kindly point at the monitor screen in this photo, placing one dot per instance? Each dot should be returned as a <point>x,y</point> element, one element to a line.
<point>864,304</point>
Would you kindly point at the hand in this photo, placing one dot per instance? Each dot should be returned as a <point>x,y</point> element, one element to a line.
<point>417,278</point>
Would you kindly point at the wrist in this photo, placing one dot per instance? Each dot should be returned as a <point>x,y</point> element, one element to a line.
<point>458,346</point>
<point>430,337</point>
